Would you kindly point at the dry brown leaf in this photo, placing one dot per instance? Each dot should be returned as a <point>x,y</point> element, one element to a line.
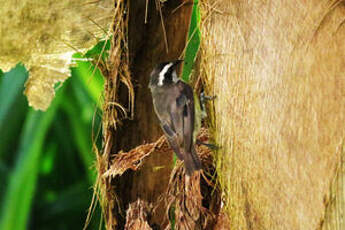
<point>134,158</point>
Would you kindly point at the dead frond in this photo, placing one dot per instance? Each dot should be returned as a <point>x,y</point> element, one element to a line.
<point>133,159</point>
<point>137,216</point>
<point>194,201</point>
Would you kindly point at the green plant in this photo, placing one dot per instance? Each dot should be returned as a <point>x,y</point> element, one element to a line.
<point>46,158</point>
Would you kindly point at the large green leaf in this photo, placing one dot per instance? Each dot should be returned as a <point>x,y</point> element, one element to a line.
<point>90,77</point>
<point>193,42</point>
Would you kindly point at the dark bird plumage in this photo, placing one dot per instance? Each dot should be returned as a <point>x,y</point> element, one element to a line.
<point>173,102</point>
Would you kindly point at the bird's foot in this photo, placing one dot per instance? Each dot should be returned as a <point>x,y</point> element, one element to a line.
<point>203,99</point>
<point>210,146</point>
<point>206,97</point>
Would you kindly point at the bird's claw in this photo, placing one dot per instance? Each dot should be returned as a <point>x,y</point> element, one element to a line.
<point>210,146</point>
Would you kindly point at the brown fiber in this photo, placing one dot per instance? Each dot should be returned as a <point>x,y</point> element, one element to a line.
<point>194,201</point>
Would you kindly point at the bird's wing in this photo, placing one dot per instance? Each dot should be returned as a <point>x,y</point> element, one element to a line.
<point>186,104</point>
<point>188,118</point>
<point>172,138</point>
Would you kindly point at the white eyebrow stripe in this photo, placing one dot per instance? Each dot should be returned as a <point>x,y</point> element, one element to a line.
<point>163,72</point>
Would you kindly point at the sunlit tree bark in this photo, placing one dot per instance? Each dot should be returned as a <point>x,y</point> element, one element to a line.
<point>277,68</point>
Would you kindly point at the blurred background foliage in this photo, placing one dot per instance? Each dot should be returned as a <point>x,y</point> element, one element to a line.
<point>46,159</point>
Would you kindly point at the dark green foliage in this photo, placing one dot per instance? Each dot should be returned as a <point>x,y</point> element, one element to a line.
<point>46,159</point>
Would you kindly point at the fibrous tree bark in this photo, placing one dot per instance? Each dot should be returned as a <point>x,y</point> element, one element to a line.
<point>145,34</point>
<point>277,68</point>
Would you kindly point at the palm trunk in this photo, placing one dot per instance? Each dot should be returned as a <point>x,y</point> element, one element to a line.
<point>277,68</point>
<point>145,33</point>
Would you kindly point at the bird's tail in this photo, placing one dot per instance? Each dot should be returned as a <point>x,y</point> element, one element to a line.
<point>191,162</point>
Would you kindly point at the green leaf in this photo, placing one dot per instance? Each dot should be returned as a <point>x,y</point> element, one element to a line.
<point>11,87</point>
<point>82,136</point>
<point>193,43</point>
<point>12,114</point>
<point>102,47</point>
<point>91,78</point>
<point>22,182</point>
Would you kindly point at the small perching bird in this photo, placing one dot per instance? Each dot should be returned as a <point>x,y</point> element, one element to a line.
<point>173,102</point>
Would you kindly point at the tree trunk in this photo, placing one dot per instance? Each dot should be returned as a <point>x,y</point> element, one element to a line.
<point>145,34</point>
<point>277,68</point>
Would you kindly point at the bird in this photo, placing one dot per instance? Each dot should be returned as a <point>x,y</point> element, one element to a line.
<point>173,102</point>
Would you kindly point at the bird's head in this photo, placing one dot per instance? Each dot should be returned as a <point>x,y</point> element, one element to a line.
<point>164,74</point>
